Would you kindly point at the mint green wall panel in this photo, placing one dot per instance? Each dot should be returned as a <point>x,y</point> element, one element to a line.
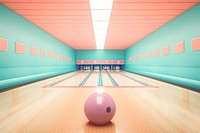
<point>182,68</point>
<point>99,54</point>
<point>21,68</point>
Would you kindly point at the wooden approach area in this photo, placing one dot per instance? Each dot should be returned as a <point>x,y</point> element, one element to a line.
<point>37,109</point>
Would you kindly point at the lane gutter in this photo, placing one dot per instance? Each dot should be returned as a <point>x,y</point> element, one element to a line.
<point>54,83</point>
<point>100,83</point>
<point>112,79</point>
<point>85,79</point>
<point>143,83</point>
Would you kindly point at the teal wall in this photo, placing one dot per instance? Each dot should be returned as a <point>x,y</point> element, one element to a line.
<point>99,54</point>
<point>22,68</point>
<point>183,68</point>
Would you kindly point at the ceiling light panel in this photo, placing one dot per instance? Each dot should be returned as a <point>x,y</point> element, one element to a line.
<point>100,11</point>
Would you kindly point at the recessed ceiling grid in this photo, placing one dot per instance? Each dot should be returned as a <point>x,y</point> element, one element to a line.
<point>70,20</point>
<point>132,20</point>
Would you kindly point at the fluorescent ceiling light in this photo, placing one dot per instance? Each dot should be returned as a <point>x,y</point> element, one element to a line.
<point>101,4</point>
<point>100,11</point>
<point>100,31</point>
<point>100,25</point>
<point>103,15</point>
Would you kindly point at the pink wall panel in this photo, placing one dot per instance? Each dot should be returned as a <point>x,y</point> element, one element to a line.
<point>78,62</point>
<point>144,55</point>
<point>68,58</point>
<point>165,50</point>
<point>20,48</point>
<point>114,61</point>
<point>95,62</point>
<point>104,62</point>
<point>135,57</point>
<point>121,62</point>
<point>49,54</point>
<point>92,61</point>
<point>33,51</point>
<point>156,52</point>
<point>196,43</point>
<point>3,44</point>
<point>131,58</point>
<point>58,56</point>
<point>98,61</point>
<point>83,62</point>
<point>118,61</point>
<point>179,47</point>
<point>110,61</point>
<point>42,53</point>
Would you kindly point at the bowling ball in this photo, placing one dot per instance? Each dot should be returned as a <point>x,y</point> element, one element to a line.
<point>99,108</point>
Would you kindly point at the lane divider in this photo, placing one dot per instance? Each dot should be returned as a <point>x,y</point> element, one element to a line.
<point>100,83</point>
<point>86,78</point>
<point>54,83</point>
<point>111,78</point>
<point>146,84</point>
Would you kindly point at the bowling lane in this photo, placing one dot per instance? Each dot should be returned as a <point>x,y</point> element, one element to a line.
<point>61,78</point>
<point>106,79</point>
<point>140,78</point>
<point>122,80</point>
<point>93,79</point>
<point>75,80</point>
<point>33,108</point>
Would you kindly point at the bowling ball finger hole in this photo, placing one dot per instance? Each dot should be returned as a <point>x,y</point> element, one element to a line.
<point>108,109</point>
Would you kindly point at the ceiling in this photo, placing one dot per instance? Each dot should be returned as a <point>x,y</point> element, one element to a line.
<point>70,20</point>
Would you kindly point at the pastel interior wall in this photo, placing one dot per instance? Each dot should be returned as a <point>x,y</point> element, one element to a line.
<point>99,54</point>
<point>168,53</point>
<point>38,56</point>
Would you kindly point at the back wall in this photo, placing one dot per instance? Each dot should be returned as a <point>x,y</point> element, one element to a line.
<point>99,54</point>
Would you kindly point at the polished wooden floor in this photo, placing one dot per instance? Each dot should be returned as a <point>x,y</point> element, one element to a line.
<point>161,108</point>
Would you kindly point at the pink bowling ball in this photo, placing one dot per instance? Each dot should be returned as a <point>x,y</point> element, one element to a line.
<point>99,108</point>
